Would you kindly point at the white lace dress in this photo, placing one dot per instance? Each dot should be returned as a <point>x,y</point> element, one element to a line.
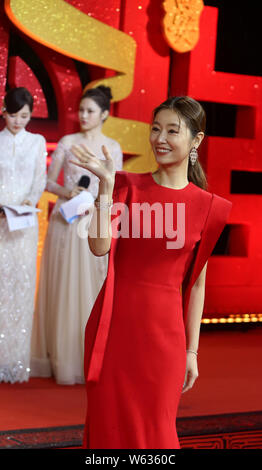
<point>22,177</point>
<point>70,280</point>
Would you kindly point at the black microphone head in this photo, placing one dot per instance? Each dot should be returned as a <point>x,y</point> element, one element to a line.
<point>84,181</point>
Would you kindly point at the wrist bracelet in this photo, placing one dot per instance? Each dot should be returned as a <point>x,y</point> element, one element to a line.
<point>191,350</point>
<point>103,205</point>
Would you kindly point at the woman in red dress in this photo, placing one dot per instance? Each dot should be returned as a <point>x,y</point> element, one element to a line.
<point>143,333</point>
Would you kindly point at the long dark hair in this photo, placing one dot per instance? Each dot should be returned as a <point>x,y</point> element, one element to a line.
<point>195,118</point>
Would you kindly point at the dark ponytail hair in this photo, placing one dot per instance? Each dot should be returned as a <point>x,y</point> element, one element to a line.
<point>101,95</point>
<point>195,118</point>
<point>16,98</point>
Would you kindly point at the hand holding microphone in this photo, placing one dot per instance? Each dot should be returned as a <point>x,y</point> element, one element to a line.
<point>82,184</point>
<point>80,203</point>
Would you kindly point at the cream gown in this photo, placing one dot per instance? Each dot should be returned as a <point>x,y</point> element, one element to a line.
<point>70,279</point>
<point>22,177</point>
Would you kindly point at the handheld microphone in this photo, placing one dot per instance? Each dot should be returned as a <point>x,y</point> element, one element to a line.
<point>78,205</point>
<point>84,181</point>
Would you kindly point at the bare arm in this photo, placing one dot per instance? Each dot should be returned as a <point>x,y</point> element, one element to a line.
<point>53,173</point>
<point>99,235</point>
<point>192,327</point>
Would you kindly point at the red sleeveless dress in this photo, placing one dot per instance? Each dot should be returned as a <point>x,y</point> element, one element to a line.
<point>135,346</point>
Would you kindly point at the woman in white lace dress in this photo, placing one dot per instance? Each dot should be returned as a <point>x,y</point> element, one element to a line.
<point>22,181</point>
<point>71,276</point>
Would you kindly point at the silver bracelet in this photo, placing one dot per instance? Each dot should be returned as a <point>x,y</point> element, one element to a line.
<point>103,205</point>
<point>191,350</point>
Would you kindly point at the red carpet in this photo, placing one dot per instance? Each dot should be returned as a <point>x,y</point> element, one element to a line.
<point>230,378</point>
<point>229,382</point>
<point>41,403</point>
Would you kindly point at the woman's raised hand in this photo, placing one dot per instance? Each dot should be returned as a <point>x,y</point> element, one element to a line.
<point>103,169</point>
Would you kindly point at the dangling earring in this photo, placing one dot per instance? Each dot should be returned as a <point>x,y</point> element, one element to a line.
<point>193,155</point>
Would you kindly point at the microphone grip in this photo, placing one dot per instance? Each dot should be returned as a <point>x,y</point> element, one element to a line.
<point>84,181</point>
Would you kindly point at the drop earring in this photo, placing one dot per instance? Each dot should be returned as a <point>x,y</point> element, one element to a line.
<point>193,155</point>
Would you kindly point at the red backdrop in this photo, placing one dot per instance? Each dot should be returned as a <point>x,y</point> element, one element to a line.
<point>234,279</point>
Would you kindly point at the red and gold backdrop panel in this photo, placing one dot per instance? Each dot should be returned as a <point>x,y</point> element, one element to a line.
<point>145,51</point>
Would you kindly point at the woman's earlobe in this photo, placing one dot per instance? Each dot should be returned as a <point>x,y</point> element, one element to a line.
<point>105,115</point>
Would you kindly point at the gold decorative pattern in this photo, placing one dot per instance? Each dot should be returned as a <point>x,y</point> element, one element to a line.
<point>181,23</point>
<point>65,29</point>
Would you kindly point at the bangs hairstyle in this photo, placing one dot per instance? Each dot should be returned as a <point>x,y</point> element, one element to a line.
<point>195,118</point>
<point>188,109</point>
<point>16,98</point>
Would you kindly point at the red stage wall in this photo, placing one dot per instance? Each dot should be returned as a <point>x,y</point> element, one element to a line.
<point>234,279</point>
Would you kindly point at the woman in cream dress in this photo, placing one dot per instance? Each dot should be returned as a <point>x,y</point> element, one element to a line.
<point>71,276</point>
<point>22,181</point>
